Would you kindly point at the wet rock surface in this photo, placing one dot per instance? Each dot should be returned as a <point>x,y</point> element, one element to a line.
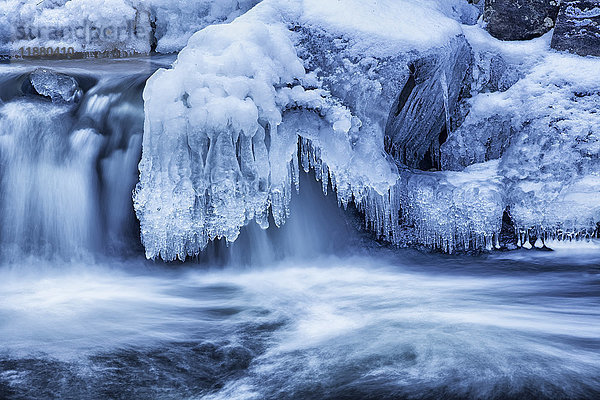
<point>519,19</point>
<point>419,120</point>
<point>578,28</point>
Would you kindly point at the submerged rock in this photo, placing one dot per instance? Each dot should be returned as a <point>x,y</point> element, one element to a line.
<point>520,19</point>
<point>578,28</point>
<point>60,88</point>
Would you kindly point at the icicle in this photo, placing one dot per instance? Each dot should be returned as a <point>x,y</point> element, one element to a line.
<point>444,85</point>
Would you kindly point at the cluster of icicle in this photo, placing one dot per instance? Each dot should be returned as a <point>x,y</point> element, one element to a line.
<point>548,238</point>
<point>217,150</point>
<point>220,150</point>
<point>228,127</point>
<point>420,208</point>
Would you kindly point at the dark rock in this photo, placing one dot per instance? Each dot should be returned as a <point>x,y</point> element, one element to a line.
<point>578,28</point>
<point>508,235</point>
<point>520,19</point>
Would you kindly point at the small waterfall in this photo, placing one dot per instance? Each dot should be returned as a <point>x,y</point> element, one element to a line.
<point>48,181</point>
<point>67,171</point>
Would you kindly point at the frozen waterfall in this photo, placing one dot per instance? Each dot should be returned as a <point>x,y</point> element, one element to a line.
<point>432,136</point>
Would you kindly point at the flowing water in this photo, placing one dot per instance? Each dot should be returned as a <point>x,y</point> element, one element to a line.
<point>314,310</point>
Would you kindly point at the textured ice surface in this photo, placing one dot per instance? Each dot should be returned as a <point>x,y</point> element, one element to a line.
<point>427,100</point>
<point>223,127</point>
<point>217,152</point>
<point>552,164</point>
<point>56,86</point>
<point>544,130</point>
<point>106,25</point>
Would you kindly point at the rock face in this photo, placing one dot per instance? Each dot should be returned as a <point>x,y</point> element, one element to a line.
<point>480,139</point>
<point>578,28</point>
<point>520,19</point>
<point>420,118</point>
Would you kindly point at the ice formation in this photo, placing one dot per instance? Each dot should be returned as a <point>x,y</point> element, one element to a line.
<point>317,85</point>
<point>218,151</point>
<point>543,129</point>
<point>223,126</point>
<point>56,86</point>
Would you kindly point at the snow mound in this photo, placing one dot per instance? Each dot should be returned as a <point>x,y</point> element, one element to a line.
<point>216,153</point>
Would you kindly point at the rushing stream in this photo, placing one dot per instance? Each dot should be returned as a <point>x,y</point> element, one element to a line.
<point>313,310</point>
<point>368,326</point>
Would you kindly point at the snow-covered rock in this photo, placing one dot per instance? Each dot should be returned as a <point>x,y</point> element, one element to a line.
<point>578,28</point>
<point>552,164</point>
<point>223,126</point>
<point>318,83</point>
<point>544,130</point>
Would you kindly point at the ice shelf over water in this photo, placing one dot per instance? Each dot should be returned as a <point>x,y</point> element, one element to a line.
<point>309,84</point>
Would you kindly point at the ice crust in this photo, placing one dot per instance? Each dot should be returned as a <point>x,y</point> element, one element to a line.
<point>296,85</point>
<point>58,87</point>
<point>544,132</point>
<point>134,25</point>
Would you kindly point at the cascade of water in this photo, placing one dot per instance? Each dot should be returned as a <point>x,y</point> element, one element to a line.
<point>68,170</point>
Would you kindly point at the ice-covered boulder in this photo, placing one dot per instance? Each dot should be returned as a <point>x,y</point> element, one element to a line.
<point>58,87</point>
<point>551,166</point>
<point>544,131</point>
<point>486,130</point>
<point>578,28</point>
<point>519,19</point>
<point>479,139</point>
<point>223,126</point>
<point>493,74</point>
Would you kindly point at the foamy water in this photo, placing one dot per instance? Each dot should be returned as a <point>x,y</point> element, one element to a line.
<point>382,326</point>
